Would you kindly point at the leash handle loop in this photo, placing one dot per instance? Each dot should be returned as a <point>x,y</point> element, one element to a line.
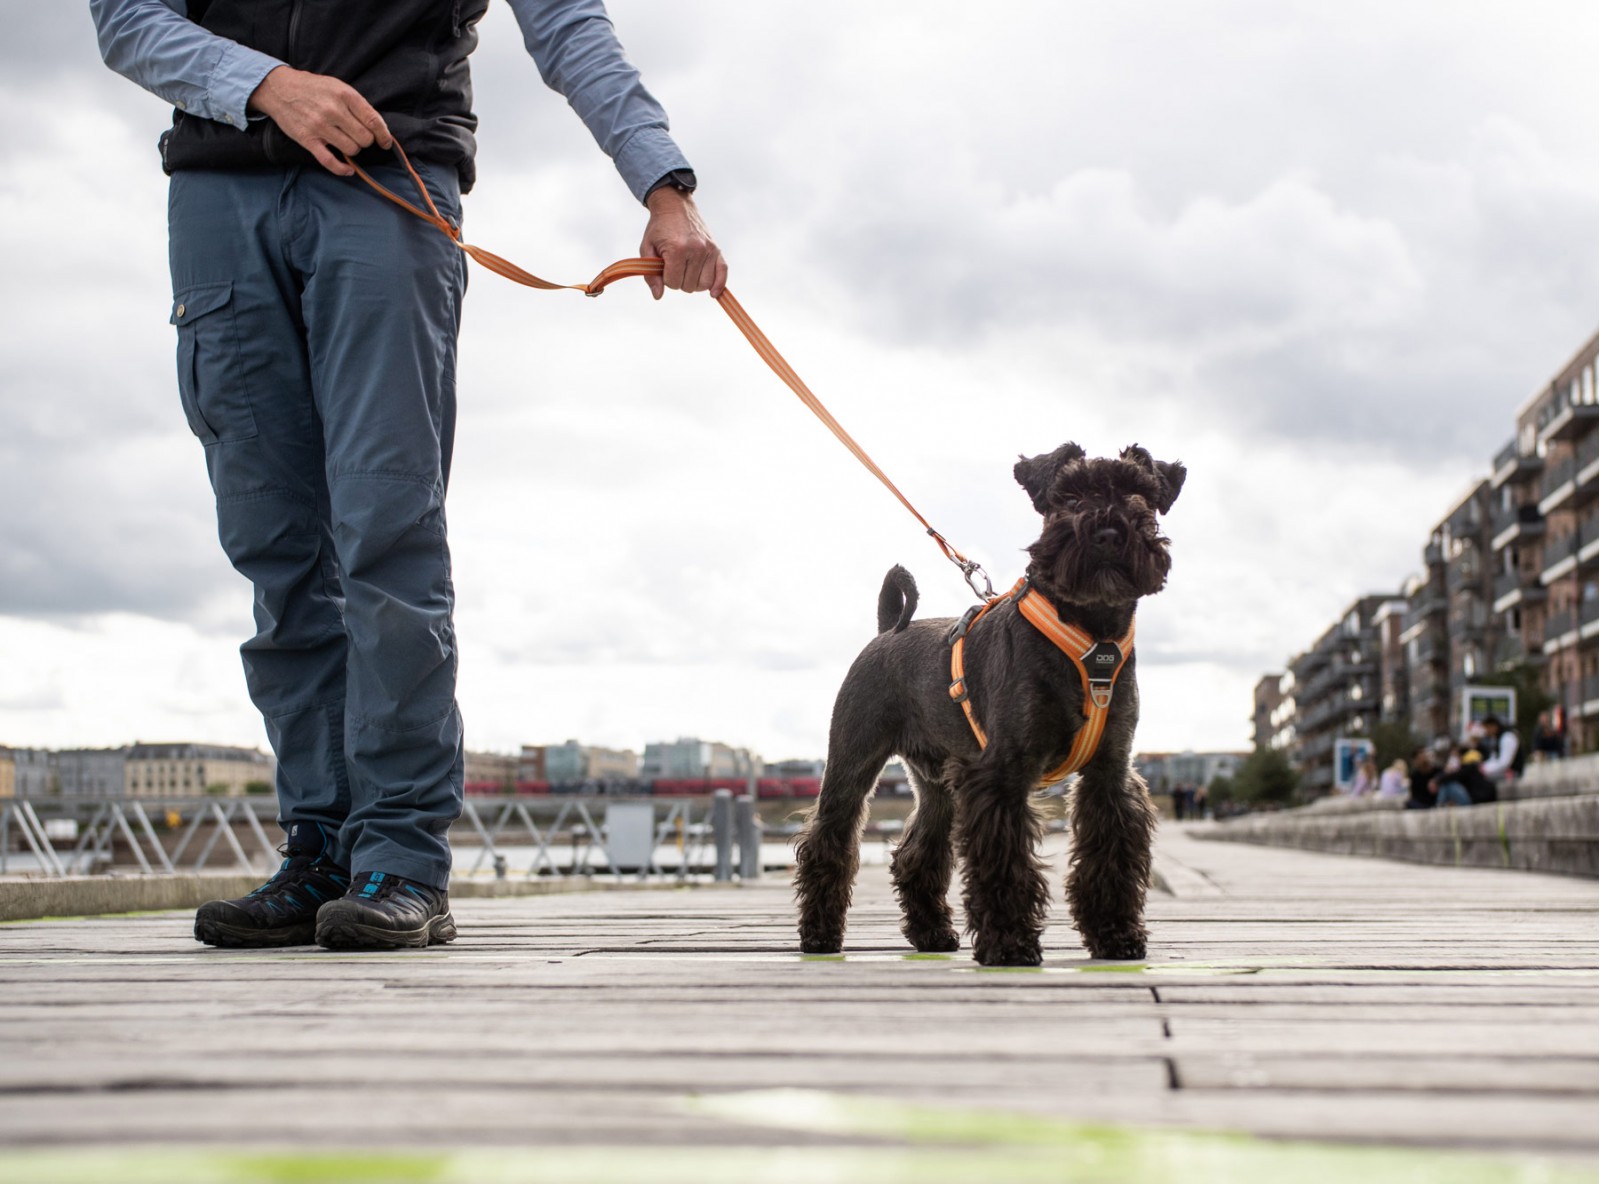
<point>627,268</point>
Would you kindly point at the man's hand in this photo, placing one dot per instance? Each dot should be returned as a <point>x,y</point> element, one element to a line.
<point>320,114</point>
<point>677,235</point>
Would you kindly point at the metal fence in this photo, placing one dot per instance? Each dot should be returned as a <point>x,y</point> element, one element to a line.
<point>527,837</point>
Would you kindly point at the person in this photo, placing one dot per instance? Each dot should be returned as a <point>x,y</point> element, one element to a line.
<point>1448,786</point>
<point>1393,784</point>
<point>1549,744</point>
<point>1424,780</point>
<point>317,328</point>
<point>1480,788</point>
<point>1502,758</point>
<point>1366,778</point>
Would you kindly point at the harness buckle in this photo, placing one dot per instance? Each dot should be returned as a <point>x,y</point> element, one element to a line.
<point>958,691</point>
<point>1101,664</point>
<point>959,629</point>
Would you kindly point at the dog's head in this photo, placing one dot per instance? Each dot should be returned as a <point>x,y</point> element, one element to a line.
<point>1101,543</point>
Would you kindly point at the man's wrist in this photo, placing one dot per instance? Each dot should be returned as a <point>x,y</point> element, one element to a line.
<point>682,181</point>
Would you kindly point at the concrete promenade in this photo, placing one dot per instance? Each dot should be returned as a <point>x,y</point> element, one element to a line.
<point>1304,1017</point>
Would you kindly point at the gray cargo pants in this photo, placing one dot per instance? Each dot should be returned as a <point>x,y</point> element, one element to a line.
<point>316,362</point>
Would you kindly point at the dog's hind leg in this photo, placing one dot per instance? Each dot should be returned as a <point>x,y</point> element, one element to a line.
<point>1113,822</point>
<point>1005,891</point>
<point>828,851</point>
<point>922,864</point>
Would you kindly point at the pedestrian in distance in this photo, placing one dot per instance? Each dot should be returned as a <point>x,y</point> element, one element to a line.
<point>317,328</point>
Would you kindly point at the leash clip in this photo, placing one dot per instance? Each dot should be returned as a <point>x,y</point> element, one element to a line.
<point>971,572</point>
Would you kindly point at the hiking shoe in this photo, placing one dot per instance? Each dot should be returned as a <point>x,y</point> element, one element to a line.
<point>282,912</point>
<point>382,911</point>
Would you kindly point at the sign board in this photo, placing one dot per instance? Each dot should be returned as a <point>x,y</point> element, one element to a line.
<point>1477,703</point>
<point>1347,754</point>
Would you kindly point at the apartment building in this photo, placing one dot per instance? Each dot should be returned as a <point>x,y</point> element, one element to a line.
<point>8,774</point>
<point>1336,688</point>
<point>91,772</point>
<point>1466,536</point>
<point>690,758</point>
<point>1269,696</point>
<point>572,762</point>
<point>491,768</point>
<point>1564,420</point>
<point>187,770</point>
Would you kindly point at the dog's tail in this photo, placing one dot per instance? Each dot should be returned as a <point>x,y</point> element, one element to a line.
<point>897,600</point>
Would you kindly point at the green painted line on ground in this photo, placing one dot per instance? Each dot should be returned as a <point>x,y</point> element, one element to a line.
<point>1018,1150</point>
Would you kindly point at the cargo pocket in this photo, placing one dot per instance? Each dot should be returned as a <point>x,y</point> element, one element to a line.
<point>210,378</point>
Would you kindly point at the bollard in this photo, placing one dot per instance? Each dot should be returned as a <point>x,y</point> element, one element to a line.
<point>748,823</point>
<point>722,833</point>
<point>499,866</point>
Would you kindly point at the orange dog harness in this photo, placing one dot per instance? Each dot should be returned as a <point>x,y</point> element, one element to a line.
<point>1098,663</point>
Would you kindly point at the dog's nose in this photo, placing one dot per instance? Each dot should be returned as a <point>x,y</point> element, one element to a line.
<point>1108,536</point>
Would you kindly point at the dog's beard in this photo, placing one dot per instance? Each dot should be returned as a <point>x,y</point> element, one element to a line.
<point>1087,572</point>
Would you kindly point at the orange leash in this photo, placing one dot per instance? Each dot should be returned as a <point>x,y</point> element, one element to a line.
<point>627,268</point>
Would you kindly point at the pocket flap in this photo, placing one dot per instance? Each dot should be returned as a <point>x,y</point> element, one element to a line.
<point>196,302</point>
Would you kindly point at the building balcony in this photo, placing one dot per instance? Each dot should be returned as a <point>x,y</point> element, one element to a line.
<point>1432,555</point>
<point>1514,588</point>
<point>1560,558</point>
<point>1568,421</point>
<point>1589,618</point>
<point>1513,466</point>
<point>1558,485</point>
<point>1587,701</point>
<point>1463,576</point>
<point>1518,522</point>
<point>1588,539</point>
<point>1557,627</point>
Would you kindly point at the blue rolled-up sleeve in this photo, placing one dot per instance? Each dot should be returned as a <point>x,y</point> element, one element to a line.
<point>154,44</point>
<point>578,54</point>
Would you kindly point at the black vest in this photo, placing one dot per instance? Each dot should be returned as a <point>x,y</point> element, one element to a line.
<point>408,58</point>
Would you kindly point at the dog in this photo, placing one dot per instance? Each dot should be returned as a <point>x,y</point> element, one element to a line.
<point>1100,551</point>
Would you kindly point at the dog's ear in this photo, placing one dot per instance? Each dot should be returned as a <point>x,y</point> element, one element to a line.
<point>1168,474</point>
<point>1035,473</point>
<point>1172,475</point>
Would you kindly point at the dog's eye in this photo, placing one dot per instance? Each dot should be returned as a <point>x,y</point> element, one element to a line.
<point>1071,503</point>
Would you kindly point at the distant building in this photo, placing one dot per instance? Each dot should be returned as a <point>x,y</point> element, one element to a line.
<point>572,762</point>
<point>1336,690</point>
<point>8,774</point>
<point>91,772</point>
<point>688,758</point>
<point>34,776</point>
<point>491,768</point>
<point>1508,581</point>
<point>1268,699</point>
<point>793,768</point>
<point>1165,771</point>
<point>1564,418</point>
<point>186,770</point>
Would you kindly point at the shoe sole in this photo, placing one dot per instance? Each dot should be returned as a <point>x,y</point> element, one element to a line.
<point>344,933</point>
<point>240,937</point>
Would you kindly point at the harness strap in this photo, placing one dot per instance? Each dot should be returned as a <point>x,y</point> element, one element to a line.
<point>971,571</point>
<point>1098,663</point>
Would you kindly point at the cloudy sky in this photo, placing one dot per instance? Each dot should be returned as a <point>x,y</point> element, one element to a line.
<point>1319,251</point>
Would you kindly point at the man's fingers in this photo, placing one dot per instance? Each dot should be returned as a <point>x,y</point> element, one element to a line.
<point>719,282</point>
<point>368,120</point>
<point>329,161</point>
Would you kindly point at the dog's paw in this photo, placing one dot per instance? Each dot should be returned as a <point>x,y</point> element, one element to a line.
<point>821,943</point>
<point>934,941</point>
<point>1121,948</point>
<point>1008,951</point>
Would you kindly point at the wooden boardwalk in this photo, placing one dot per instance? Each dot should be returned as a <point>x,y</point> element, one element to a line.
<point>666,1034</point>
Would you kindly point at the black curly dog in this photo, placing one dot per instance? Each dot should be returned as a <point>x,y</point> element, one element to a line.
<point>1099,552</point>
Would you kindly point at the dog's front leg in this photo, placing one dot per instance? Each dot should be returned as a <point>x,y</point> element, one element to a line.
<point>1005,890</point>
<point>1113,822</point>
